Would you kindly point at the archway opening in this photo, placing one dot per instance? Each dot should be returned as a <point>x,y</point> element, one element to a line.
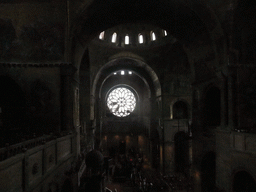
<point>180,110</point>
<point>181,152</point>
<point>243,30</point>
<point>155,147</point>
<point>243,181</point>
<point>208,169</point>
<point>212,107</point>
<point>67,186</point>
<point>122,128</point>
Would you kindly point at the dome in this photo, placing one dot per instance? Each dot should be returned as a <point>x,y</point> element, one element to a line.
<point>134,35</point>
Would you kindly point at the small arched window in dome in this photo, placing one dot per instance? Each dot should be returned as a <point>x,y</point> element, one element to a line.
<point>101,36</point>
<point>152,36</point>
<point>126,40</point>
<point>140,38</point>
<point>113,40</point>
<point>165,33</point>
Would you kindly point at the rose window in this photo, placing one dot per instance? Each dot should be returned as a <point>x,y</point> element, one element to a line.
<point>121,102</point>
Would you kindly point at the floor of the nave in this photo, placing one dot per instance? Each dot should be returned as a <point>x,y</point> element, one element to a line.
<point>146,180</point>
<point>129,172</point>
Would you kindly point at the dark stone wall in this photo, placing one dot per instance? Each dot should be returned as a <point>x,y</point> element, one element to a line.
<point>39,97</point>
<point>246,92</point>
<point>209,39</point>
<point>32,32</point>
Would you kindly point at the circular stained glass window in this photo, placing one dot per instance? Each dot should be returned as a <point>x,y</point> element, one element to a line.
<point>121,102</point>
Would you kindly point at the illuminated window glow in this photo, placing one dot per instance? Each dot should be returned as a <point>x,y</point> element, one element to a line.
<point>122,72</point>
<point>130,72</point>
<point>121,102</point>
<point>126,40</point>
<point>101,36</point>
<point>165,32</point>
<point>140,38</point>
<point>114,37</point>
<point>152,36</point>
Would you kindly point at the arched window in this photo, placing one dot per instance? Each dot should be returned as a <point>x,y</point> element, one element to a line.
<point>140,38</point>
<point>126,40</point>
<point>101,36</point>
<point>165,33</point>
<point>208,170</point>
<point>181,151</point>
<point>243,181</point>
<point>180,110</point>
<point>152,36</point>
<point>121,102</point>
<point>114,36</point>
<point>212,107</point>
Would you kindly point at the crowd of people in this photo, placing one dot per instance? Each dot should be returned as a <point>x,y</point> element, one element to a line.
<point>123,167</point>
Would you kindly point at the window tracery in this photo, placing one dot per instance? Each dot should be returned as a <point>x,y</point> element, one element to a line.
<point>121,102</point>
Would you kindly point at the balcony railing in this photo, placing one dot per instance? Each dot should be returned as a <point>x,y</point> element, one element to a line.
<point>243,141</point>
<point>11,150</point>
<point>27,165</point>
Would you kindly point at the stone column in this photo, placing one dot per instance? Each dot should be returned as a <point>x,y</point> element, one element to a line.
<point>162,138</point>
<point>91,128</point>
<point>231,122</point>
<point>76,115</point>
<point>223,112</point>
<point>197,121</point>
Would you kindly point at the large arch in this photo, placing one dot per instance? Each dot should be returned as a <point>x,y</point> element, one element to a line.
<point>100,88</point>
<point>244,42</point>
<point>208,170</point>
<point>202,26</point>
<point>181,152</point>
<point>243,181</point>
<point>186,21</point>
<point>212,106</point>
<point>185,104</point>
<point>140,67</point>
